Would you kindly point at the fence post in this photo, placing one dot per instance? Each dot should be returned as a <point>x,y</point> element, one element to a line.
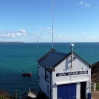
<point>15,94</point>
<point>94,86</point>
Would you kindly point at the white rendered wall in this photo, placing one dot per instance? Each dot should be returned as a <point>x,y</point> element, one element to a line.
<point>42,83</point>
<point>78,65</point>
<point>78,91</point>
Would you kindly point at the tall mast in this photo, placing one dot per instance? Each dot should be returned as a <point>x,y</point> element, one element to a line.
<point>52,20</point>
<point>37,58</point>
<point>37,49</point>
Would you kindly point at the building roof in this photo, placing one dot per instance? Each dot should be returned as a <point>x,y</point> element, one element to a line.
<point>51,59</point>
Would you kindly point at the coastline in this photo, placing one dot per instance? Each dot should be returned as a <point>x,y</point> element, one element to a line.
<point>11,42</point>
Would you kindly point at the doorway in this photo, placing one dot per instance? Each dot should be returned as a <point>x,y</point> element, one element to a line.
<point>83,90</point>
<point>67,91</point>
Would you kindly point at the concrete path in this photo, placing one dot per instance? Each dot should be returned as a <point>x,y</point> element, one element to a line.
<point>95,94</point>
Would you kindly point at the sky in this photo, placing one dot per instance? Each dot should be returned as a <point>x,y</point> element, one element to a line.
<point>37,20</point>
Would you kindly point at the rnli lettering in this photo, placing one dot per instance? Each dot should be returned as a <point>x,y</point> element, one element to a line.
<point>71,73</point>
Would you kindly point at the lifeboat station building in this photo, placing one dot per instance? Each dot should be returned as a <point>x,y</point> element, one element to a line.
<point>64,76</point>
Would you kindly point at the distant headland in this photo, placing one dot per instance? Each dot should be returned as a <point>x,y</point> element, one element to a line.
<point>11,42</point>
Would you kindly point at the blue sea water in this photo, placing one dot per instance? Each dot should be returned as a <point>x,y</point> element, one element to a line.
<point>16,58</point>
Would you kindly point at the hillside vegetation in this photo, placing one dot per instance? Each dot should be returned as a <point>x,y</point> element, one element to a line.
<point>95,72</point>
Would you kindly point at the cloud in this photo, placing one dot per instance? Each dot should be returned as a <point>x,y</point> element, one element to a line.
<point>44,37</point>
<point>50,32</point>
<point>83,33</point>
<point>85,4</point>
<point>92,37</point>
<point>81,2</point>
<point>21,31</point>
<point>62,36</point>
<point>34,33</point>
<point>88,5</point>
<point>12,34</point>
<point>45,29</point>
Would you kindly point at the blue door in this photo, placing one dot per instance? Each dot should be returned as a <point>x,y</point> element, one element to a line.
<point>67,91</point>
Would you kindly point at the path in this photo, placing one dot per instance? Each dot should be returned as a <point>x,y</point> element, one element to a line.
<point>95,94</point>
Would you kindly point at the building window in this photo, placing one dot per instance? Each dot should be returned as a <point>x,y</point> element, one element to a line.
<point>48,88</point>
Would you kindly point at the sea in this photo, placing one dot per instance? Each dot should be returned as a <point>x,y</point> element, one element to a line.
<point>16,58</point>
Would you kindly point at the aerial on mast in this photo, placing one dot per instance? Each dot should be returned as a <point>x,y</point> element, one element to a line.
<point>72,45</point>
<point>52,21</point>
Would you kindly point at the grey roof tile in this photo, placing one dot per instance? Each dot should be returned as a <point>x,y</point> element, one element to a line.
<point>52,59</point>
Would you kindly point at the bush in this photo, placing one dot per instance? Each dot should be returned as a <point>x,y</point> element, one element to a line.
<point>4,97</point>
<point>97,86</point>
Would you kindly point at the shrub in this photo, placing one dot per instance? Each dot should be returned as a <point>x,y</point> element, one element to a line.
<point>97,86</point>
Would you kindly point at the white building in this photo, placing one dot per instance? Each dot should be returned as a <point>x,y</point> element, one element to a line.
<point>64,76</point>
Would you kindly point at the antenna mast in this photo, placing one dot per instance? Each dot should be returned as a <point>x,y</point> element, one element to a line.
<point>52,20</point>
<point>72,45</point>
<point>37,49</point>
<point>37,58</point>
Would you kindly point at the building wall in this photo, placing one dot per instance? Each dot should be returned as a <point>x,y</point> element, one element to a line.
<point>44,85</point>
<point>64,67</point>
<point>78,91</point>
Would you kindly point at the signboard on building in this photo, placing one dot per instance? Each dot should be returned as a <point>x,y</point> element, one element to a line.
<point>71,73</point>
